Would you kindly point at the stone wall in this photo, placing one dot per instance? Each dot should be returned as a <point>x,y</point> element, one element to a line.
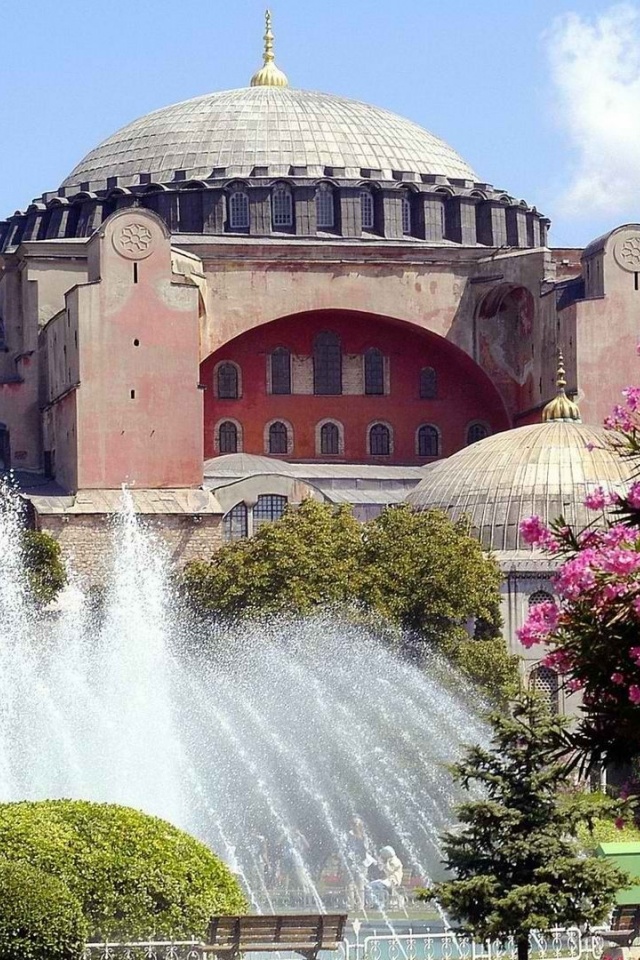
<point>87,539</point>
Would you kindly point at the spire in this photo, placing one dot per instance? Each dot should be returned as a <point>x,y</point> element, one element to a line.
<point>561,407</point>
<point>269,75</point>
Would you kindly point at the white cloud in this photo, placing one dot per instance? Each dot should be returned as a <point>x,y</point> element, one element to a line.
<point>595,66</point>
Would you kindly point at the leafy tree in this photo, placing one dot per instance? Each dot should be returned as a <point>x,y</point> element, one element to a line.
<point>43,564</point>
<point>517,864</point>
<point>310,557</point>
<point>418,571</point>
<point>134,876</point>
<point>425,572</point>
<point>40,919</point>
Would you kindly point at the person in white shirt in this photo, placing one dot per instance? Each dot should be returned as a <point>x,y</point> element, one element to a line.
<point>389,884</point>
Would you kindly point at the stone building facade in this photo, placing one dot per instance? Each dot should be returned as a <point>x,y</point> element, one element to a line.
<point>274,272</point>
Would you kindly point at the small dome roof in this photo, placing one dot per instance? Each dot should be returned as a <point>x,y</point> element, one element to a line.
<point>267,126</point>
<point>544,469</point>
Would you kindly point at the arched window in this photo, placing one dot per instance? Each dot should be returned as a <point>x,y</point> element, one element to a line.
<point>238,210</point>
<point>379,440</point>
<point>540,596</point>
<point>366,208</point>
<point>236,522</point>
<point>428,384</point>
<point>270,507</point>
<point>281,206</point>
<point>329,439</point>
<point>373,372</point>
<point>428,441</point>
<point>406,213</point>
<point>544,680</point>
<point>477,431</point>
<point>281,371</point>
<point>327,364</point>
<point>227,382</point>
<point>325,213</point>
<point>228,437</point>
<point>278,438</point>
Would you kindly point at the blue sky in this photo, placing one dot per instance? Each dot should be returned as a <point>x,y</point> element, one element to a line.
<point>542,97</point>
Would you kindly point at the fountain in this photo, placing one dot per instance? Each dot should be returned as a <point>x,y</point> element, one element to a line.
<point>264,739</point>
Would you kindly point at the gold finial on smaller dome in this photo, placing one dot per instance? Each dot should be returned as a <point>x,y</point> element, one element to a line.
<point>561,407</point>
<point>269,75</point>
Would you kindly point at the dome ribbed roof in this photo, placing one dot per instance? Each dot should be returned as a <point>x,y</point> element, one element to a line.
<point>544,470</point>
<point>278,128</point>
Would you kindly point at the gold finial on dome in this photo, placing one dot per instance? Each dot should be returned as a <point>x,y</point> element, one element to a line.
<point>269,75</point>
<point>561,407</point>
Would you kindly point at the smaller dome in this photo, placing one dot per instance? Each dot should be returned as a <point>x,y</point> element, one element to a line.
<point>561,407</point>
<point>543,470</point>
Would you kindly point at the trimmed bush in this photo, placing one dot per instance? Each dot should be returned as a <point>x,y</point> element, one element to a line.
<point>135,876</point>
<point>45,570</point>
<point>40,919</point>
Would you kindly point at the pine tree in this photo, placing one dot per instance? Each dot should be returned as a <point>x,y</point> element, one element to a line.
<point>516,863</point>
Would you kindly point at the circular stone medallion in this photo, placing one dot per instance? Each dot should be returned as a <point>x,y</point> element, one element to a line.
<point>627,253</point>
<point>134,241</point>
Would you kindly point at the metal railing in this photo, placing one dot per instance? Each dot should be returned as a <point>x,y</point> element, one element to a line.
<point>557,944</point>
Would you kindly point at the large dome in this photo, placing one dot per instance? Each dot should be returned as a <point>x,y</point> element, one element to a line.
<point>544,469</point>
<point>278,128</point>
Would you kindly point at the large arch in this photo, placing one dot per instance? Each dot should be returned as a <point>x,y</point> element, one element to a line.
<point>465,393</point>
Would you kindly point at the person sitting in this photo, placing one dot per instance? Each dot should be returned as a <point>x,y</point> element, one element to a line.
<point>387,888</point>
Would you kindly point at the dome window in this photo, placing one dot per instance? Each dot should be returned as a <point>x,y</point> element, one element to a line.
<point>281,371</point>
<point>227,382</point>
<point>327,364</point>
<point>236,522</point>
<point>228,437</point>
<point>428,384</point>
<point>406,214</point>
<point>366,209</point>
<point>540,596</point>
<point>239,210</point>
<point>373,372</point>
<point>428,441</point>
<point>477,431</point>
<point>278,438</point>
<point>329,439</point>
<point>325,211</point>
<point>268,509</point>
<point>544,680</point>
<point>281,206</point>
<point>379,440</point>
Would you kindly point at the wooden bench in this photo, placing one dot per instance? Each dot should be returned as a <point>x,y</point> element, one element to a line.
<point>625,926</point>
<point>305,934</point>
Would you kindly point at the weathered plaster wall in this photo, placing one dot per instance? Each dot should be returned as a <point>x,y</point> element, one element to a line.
<point>139,407</point>
<point>464,392</point>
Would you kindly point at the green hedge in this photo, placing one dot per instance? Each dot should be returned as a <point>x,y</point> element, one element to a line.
<point>135,876</point>
<point>43,564</point>
<point>40,919</point>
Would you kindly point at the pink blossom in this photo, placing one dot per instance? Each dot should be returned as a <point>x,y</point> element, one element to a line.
<point>573,685</point>
<point>541,621</point>
<point>621,561</point>
<point>632,396</point>
<point>595,500</point>
<point>619,534</point>
<point>634,652</point>
<point>576,576</point>
<point>559,660</point>
<point>534,532</point>
<point>634,693</point>
<point>619,822</point>
<point>633,495</point>
<point>617,678</point>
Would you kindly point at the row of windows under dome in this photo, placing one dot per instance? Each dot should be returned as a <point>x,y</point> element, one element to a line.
<point>330,438</point>
<point>328,373</point>
<point>300,209</point>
